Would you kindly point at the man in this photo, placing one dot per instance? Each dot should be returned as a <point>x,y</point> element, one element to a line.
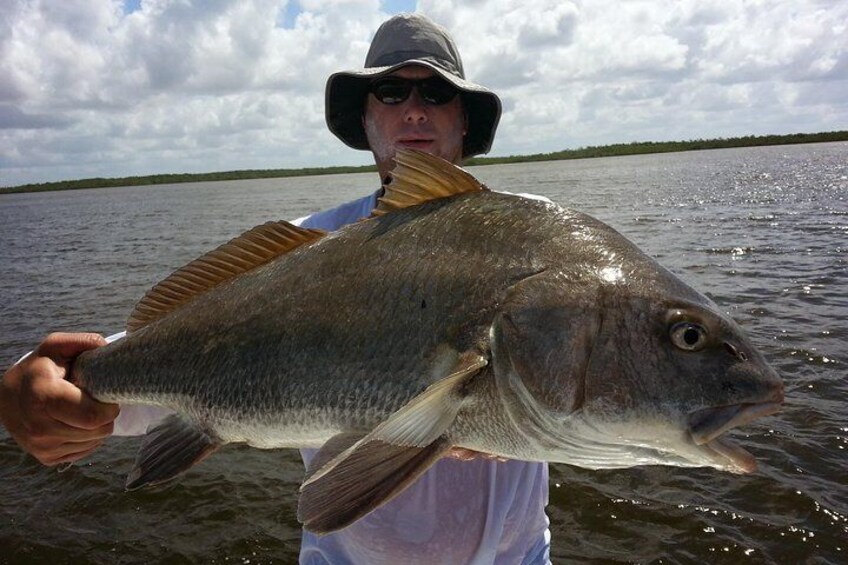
<point>467,508</point>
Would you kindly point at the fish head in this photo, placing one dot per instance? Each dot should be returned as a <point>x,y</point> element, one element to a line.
<point>671,377</point>
<point>623,377</point>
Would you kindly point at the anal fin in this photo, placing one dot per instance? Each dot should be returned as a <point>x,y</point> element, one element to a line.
<point>373,474</point>
<point>168,450</point>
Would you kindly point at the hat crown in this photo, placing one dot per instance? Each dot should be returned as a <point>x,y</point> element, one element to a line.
<point>409,37</point>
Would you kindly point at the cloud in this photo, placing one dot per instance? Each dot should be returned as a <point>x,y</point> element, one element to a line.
<point>12,117</point>
<point>107,88</point>
<point>652,70</point>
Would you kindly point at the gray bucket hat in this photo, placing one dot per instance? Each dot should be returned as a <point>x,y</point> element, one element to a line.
<point>410,39</point>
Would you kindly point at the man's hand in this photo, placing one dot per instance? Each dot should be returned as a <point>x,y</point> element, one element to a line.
<point>49,417</point>
<point>470,455</point>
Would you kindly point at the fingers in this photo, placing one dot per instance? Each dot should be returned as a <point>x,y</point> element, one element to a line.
<point>48,416</point>
<point>73,407</point>
<point>463,454</point>
<point>59,423</point>
<point>70,452</point>
<point>61,443</point>
<point>62,347</point>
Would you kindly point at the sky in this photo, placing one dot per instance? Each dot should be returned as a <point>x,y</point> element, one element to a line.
<point>112,88</point>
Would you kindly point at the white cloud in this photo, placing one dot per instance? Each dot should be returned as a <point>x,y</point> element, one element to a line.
<point>639,70</point>
<point>90,88</point>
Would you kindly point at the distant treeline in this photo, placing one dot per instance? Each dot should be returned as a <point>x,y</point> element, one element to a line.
<point>175,178</point>
<point>640,147</point>
<point>634,148</point>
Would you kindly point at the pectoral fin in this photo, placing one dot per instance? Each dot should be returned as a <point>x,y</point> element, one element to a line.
<point>336,445</point>
<point>372,475</point>
<point>168,450</point>
<point>430,413</point>
<point>358,479</point>
<point>423,419</point>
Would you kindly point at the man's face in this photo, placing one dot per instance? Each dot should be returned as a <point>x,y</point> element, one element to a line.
<point>436,129</point>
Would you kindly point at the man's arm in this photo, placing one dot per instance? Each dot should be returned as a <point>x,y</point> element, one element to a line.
<point>48,416</point>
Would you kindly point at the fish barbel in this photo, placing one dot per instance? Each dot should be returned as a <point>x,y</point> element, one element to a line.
<point>453,317</point>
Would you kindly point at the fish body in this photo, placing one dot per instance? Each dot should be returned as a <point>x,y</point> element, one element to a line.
<point>478,320</point>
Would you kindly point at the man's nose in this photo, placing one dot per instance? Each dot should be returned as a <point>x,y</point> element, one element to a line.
<point>416,109</point>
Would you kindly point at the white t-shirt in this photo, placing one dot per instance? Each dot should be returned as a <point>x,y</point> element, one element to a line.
<point>481,511</point>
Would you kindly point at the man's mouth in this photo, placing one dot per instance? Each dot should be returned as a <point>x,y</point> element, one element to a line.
<point>415,142</point>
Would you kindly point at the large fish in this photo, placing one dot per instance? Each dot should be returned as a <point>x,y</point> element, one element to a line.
<point>455,316</point>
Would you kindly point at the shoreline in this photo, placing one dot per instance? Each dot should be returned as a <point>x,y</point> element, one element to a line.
<point>613,150</point>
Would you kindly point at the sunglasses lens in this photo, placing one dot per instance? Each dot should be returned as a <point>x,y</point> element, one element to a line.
<point>436,91</point>
<point>391,90</point>
<point>394,90</point>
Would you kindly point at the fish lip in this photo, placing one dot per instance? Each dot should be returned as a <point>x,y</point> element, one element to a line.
<point>707,425</point>
<point>740,459</point>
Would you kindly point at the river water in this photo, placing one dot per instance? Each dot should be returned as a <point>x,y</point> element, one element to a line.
<point>763,231</point>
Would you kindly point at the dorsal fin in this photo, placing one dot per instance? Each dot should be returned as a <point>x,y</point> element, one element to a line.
<point>251,249</point>
<point>419,177</point>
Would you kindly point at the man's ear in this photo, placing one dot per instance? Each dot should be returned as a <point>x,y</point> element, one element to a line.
<point>465,122</point>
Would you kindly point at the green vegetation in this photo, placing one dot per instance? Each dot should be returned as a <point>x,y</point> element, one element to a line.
<point>175,178</point>
<point>634,148</point>
<point>642,147</point>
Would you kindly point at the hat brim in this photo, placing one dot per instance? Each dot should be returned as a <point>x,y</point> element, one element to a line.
<point>345,103</point>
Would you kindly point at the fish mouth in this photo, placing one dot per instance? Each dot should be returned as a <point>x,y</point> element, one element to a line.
<point>707,425</point>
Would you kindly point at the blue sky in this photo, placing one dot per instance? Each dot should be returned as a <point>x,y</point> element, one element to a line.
<point>294,8</point>
<point>117,88</point>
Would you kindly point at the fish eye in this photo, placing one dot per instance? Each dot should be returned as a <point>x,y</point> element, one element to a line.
<point>688,336</point>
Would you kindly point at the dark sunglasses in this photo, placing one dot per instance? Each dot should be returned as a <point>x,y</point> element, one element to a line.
<point>395,90</point>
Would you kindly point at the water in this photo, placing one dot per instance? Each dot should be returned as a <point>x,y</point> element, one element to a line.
<point>763,231</point>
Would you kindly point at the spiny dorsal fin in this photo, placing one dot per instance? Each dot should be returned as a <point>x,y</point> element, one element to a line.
<point>419,177</point>
<point>251,249</point>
